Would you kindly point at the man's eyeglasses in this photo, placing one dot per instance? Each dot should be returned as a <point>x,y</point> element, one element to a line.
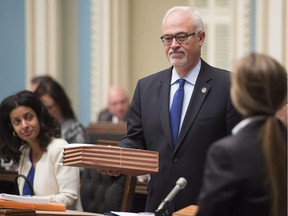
<point>179,37</point>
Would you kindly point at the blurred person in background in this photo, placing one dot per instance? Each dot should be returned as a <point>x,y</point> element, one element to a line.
<point>37,79</point>
<point>58,104</point>
<point>118,106</point>
<point>117,111</point>
<point>246,172</point>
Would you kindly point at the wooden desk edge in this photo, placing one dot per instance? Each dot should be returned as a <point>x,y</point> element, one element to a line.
<point>45,213</point>
<point>68,212</point>
<point>188,211</point>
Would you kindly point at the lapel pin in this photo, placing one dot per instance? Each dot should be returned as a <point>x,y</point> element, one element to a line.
<point>204,90</point>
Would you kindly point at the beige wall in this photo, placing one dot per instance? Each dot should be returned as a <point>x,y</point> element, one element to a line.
<point>129,39</point>
<point>68,43</point>
<point>126,44</point>
<point>147,52</point>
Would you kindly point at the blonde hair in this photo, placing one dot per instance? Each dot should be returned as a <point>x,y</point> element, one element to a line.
<point>259,87</point>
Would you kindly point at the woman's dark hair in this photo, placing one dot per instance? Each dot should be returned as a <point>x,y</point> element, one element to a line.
<point>10,144</point>
<point>55,91</point>
<point>39,79</point>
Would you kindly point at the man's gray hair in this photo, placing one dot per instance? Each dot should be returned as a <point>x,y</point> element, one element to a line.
<point>198,23</point>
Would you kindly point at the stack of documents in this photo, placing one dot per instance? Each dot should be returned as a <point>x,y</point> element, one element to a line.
<point>10,201</point>
<point>126,160</point>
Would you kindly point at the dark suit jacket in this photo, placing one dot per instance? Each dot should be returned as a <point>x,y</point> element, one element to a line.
<point>235,178</point>
<point>105,116</point>
<point>209,116</point>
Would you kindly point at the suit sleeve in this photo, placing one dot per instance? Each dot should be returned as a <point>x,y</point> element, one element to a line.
<point>135,137</point>
<point>219,184</point>
<point>105,116</point>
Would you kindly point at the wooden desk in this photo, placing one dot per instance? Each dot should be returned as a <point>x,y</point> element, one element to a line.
<point>141,188</point>
<point>7,176</point>
<point>17,212</point>
<point>107,127</point>
<point>7,184</point>
<point>27,212</point>
<point>68,212</point>
<point>188,211</point>
<point>105,131</point>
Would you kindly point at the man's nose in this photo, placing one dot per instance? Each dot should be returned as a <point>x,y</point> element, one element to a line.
<point>174,43</point>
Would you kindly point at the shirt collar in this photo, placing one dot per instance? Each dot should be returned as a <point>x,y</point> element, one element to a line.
<point>191,77</point>
<point>246,122</point>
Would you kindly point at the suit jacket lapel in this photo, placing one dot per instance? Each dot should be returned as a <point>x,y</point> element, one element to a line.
<point>201,90</point>
<point>163,95</point>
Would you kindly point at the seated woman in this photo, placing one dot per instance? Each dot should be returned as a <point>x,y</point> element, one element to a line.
<point>58,104</point>
<point>28,137</point>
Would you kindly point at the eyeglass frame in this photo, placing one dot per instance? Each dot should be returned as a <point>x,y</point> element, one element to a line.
<point>187,35</point>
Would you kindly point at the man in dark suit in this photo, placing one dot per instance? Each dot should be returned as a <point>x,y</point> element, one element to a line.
<point>207,112</point>
<point>118,106</point>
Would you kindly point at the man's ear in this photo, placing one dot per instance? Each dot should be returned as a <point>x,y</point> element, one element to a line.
<point>201,36</point>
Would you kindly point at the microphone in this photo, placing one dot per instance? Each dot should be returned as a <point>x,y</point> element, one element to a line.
<point>26,180</point>
<point>180,184</point>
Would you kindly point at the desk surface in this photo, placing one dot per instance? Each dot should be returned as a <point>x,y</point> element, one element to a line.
<point>68,212</point>
<point>188,211</point>
<point>31,212</point>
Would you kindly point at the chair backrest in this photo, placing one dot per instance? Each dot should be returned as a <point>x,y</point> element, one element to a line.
<point>104,193</point>
<point>7,181</point>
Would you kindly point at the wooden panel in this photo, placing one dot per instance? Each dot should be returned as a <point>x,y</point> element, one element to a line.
<point>67,212</point>
<point>105,131</point>
<point>141,188</point>
<point>107,127</point>
<point>107,142</point>
<point>7,176</point>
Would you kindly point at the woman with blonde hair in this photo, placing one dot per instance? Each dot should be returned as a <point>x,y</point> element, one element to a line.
<point>246,173</point>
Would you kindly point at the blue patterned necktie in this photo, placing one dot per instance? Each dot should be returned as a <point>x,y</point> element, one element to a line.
<point>176,110</point>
